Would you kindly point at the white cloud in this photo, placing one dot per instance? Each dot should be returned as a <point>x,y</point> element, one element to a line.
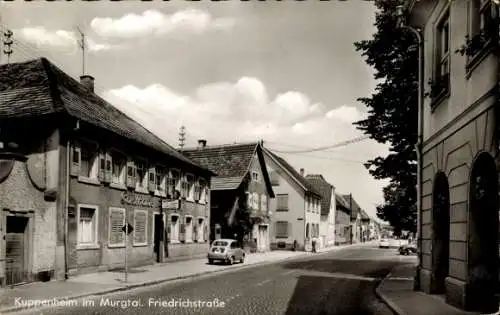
<point>153,22</point>
<point>60,40</point>
<point>236,111</point>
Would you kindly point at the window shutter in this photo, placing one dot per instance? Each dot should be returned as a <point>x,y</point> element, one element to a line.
<point>182,234</point>
<point>102,166</point>
<point>109,168</point>
<point>131,174</point>
<point>76,159</point>
<point>116,222</point>
<point>207,192</point>
<point>140,227</point>
<point>151,179</point>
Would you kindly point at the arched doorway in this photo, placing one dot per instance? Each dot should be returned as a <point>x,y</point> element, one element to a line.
<point>441,232</point>
<point>483,235</point>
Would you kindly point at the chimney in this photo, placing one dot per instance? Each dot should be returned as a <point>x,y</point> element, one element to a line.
<point>202,144</point>
<point>302,172</point>
<point>88,82</point>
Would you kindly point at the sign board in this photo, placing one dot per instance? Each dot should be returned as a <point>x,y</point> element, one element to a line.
<point>130,228</point>
<point>171,205</point>
<point>130,198</point>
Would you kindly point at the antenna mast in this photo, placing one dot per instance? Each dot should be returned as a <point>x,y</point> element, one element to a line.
<point>182,137</point>
<point>7,43</point>
<point>81,44</point>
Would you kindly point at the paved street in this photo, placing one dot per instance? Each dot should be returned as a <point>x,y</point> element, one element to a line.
<point>340,282</point>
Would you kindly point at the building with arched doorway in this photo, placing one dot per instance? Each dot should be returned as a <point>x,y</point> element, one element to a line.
<point>458,187</point>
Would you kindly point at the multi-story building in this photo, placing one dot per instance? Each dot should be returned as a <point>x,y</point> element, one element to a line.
<point>342,221</point>
<point>75,171</point>
<point>458,187</point>
<point>297,207</point>
<point>328,209</point>
<point>240,194</point>
<point>356,223</point>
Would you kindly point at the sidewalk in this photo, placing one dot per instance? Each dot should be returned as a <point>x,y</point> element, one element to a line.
<point>107,282</point>
<point>396,291</point>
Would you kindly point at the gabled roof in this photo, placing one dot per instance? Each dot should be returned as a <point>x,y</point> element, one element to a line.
<point>301,180</point>
<point>231,163</point>
<point>342,204</point>
<point>37,88</point>
<point>325,189</point>
<point>355,208</point>
<point>364,215</point>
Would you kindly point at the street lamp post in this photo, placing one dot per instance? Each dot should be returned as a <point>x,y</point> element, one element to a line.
<point>418,146</point>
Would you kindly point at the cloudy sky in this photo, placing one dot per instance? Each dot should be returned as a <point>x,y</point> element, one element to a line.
<point>229,72</point>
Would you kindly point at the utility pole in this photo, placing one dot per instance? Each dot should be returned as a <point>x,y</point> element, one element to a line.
<point>81,44</point>
<point>7,44</point>
<point>182,137</point>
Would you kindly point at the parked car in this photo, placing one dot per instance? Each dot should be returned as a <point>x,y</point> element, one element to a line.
<point>408,249</point>
<point>226,250</point>
<point>383,243</point>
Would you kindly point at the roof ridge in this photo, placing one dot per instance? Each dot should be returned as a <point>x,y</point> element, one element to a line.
<point>225,145</point>
<point>53,69</point>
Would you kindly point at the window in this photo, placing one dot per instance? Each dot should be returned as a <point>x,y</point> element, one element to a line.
<point>307,230</point>
<point>200,229</point>
<point>281,229</point>
<point>249,200</point>
<point>116,223</point>
<point>174,229</point>
<point>160,180</point>
<point>140,227</point>
<point>173,181</point>
<point>87,225</point>
<point>189,228</point>
<point>255,200</point>
<point>263,202</point>
<point>274,177</point>
<point>189,187</point>
<point>441,81</point>
<point>141,171</point>
<point>255,176</point>
<point>118,172</point>
<point>89,166</point>
<point>85,160</point>
<point>200,191</point>
<point>282,202</point>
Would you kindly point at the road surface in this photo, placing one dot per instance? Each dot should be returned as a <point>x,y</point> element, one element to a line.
<point>339,282</point>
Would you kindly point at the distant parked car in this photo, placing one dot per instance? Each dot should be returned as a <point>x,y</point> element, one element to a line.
<point>226,250</point>
<point>408,249</point>
<point>384,243</point>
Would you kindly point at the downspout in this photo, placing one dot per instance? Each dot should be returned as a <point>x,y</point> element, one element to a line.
<point>66,208</point>
<point>419,145</point>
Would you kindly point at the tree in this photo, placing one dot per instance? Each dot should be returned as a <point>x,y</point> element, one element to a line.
<point>393,113</point>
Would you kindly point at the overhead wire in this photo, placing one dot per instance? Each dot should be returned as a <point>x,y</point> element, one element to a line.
<point>29,51</point>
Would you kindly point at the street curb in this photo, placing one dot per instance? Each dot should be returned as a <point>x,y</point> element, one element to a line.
<point>160,281</point>
<point>396,309</point>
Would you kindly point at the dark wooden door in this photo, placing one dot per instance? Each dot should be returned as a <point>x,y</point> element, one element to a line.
<point>15,252</point>
<point>158,236</point>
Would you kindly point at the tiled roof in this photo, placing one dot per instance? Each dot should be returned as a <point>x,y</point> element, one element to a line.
<point>37,87</point>
<point>355,209</point>
<point>325,188</point>
<point>301,179</point>
<point>342,203</point>
<point>364,215</point>
<point>230,162</point>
